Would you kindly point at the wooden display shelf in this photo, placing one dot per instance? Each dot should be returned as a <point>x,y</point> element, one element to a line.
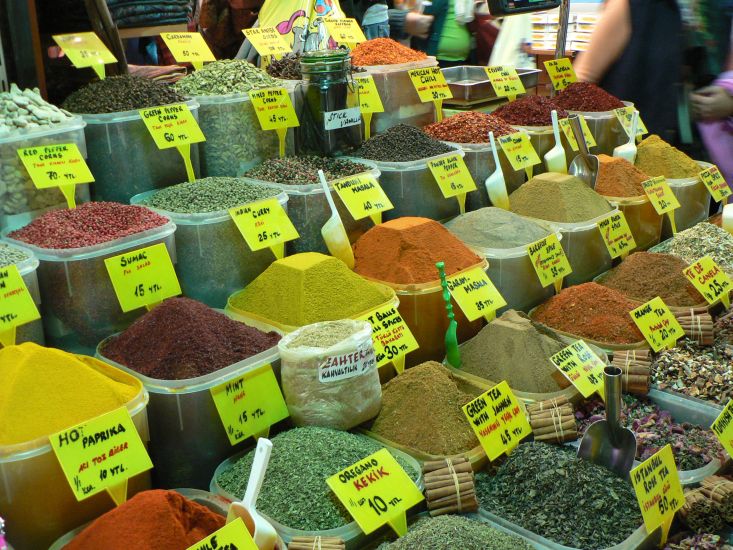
<point>141,32</point>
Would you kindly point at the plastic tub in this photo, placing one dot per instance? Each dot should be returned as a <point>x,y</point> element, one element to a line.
<point>694,199</point>
<point>643,220</point>
<point>308,210</point>
<point>20,201</point>
<point>35,499</point>
<point>606,130</point>
<point>80,306</point>
<point>543,139</point>
<point>33,331</point>
<point>213,260</point>
<point>125,160</point>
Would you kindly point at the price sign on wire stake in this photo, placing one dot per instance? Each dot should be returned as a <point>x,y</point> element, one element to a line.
<point>143,278</point>
<point>16,304</point>
<point>617,235</point>
<point>376,491</point>
<point>453,178</point>
<point>505,81</point>
<point>264,224</point>
<point>567,129</point>
<point>723,428</point>
<point>475,294</point>
<point>716,184</point>
<point>188,47</point>
<point>275,111</point>
<point>561,73</point>
<point>430,85</point>
<point>60,165</point>
<point>344,31</point>
<point>710,281</point>
<point>498,420</point>
<point>363,196</point>
<point>519,150</point>
<point>101,455</point>
<point>267,41</point>
<point>549,261</point>
<point>662,198</point>
<point>391,336</point>
<point>657,323</point>
<point>85,49</point>
<point>656,482</point>
<point>369,101</point>
<point>582,367</point>
<point>625,116</point>
<point>234,535</point>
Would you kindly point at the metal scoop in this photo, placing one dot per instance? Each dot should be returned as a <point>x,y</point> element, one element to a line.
<point>606,442</point>
<point>584,166</point>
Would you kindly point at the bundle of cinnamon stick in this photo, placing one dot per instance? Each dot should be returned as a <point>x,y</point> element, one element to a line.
<point>553,420</point>
<point>698,326</point>
<point>316,543</point>
<point>700,513</point>
<point>635,368</point>
<point>720,490</point>
<point>449,487</point>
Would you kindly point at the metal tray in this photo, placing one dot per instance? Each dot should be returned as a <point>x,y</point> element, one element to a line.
<point>469,83</point>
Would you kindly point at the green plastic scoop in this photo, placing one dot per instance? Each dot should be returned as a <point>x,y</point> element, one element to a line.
<point>452,354</point>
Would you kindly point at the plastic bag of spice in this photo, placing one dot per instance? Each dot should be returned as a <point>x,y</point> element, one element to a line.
<point>329,374</point>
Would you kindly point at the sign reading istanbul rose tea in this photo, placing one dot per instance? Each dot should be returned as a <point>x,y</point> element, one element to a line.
<point>16,304</point>
<point>723,428</point>
<point>391,336</point>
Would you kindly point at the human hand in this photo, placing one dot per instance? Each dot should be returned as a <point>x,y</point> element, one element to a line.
<point>711,102</point>
<point>418,24</point>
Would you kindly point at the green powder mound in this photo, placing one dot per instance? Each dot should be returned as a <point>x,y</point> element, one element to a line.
<point>226,76</point>
<point>495,228</point>
<point>558,198</point>
<point>656,157</point>
<point>308,288</point>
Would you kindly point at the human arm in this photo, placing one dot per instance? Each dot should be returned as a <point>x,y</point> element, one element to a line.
<point>610,37</point>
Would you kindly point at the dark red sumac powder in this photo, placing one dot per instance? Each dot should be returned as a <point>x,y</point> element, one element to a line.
<point>531,110</point>
<point>587,97</point>
<point>182,338</point>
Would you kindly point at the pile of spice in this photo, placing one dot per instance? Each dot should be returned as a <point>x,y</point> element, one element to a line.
<point>46,390</point>
<point>26,110</point>
<point>550,491</point>
<point>308,288</point>
<point>704,541</point>
<point>405,250</point>
<point>88,224</point>
<point>558,198</point>
<point>421,409</point>
<point>530,110</point>
<point>591,311</point>
<point>656,157</point>
<point>384,51</point>
<point>493,227</point>
<point>402,143</point>
<point>151,519</point>
<point>703,239</point>
<point>304,170</point>
<point>182,338</point>
<point>515,349</point>
<point>225,76</point>
<point>287,67</point>
<point>468,127</point>
<point>693,446</point>
<point>451,532</point>
<point>305,457</point>
<point>121,93</point>
<point>645,275</point>
<point>587,97</point>
<point>617,177</point>
<point>10,255</point>
<point>208,195</point>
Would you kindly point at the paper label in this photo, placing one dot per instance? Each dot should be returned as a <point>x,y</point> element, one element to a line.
<point>716,184</point>
<point>344,31</point>
<point>658,489</point>
<point>188,47</point>
<point>475,294</point>
<point>84,49</point>
<point>347,365</point>
<point>625,116</point>
<point>660,194</point>
<point>143,277</point>
<point>16,303</point>
<point>549,260</point>
<point>561,73</point>
<point>274,108</point>
<point>267,41</point>
<point>249,404</point>
<point>452,175</point>
<point>172,125</point>
<point>375,491</point>
<point>582,367</point>
<point>233,536</point>
<point>369,99</point>
<point>519,150</point>
<point>616,234</point>
<point>723,428</point>
<point>263,224</point>
<point>709,279</point>
<point>567,129</point>
<point>430,84</point>
<point>55,165</point>
<point>657,323</point>
<point>505,81</point>
<point>362,195</point>
<point>101,453</point>
<point>497,420</point>
<point>334,120</point>
<point>391,336</point>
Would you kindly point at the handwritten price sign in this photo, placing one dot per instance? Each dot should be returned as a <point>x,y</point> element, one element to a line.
<point>188,47</point>
<point>16,304</point>
<point>505,81</point>
<point>172,125</point>
<point>561,73</point>
<point>344,31</point>
<point>716,184</point>
<point>660,194</point>
<point>267,41</point>
<point>363,196</point>
<point>264,224</point>
<point>723,428</point>
<point>475,294</point>
<point>657,323</point>
<point>85,49</point>
<point>233,536</point>
<point>549,261</point>
<point>567,129</point>
<point>430,84</point>
<point>55,165</point>
<point>519,150</point>
<point>710,281</point>
<point>274,108</point>
<point>452,175</point>
<point>582,367</point>
<point>625,116</point>
<point>617,235</point>
<point>391,336</point>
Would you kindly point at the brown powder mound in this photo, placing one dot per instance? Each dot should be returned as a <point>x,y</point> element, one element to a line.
<point>617,177</point>
<point>405,250</point>
<point>646,275</point>
<point>421,409</point>
<point>591,311</point>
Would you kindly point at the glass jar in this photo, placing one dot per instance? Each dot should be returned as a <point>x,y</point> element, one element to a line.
<point>327,105</point>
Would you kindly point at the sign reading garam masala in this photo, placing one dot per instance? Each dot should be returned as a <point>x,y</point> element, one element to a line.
<point>475,294</point>
<point>391,336</point>
<point>233,536</point>
<point>363,196</point>
<point>16,304</point>
<point>616,235</point>
<point>264,224</point>
<point>582,367</point>
<point>188,47</point>
<point>375,491</point>
<point>723,428</point>
<point>101,455</point>
<point>274,108</point>
<point>519,150</point>
<point>716,184</point>
<point>710,281</point>
<point>561,73</point>
<point>549,261</point>
<point>657,323</point>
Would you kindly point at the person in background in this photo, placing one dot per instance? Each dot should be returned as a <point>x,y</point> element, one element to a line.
<point>450,40</point>
<point>375,22</point>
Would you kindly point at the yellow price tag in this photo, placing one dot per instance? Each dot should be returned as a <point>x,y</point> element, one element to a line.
<point>660,194</point>
<point>549,261</point>
<point>188,47</point>
<point>430,84</point>
<point>391,336</point>
<point>567,129</point>
<point>16,304</point>
<point>561,73</point>
<point>249,404</point>
<point>519,150</point>
<point>723,428</point>
<point>498,420</point>
<point>85,49</point>
<point>582,367</point>
<point>172,125</point>
<point>710,281</point>
<point>505,81</point>
<point>657,323</point>
<point>143,277</point>
<point>656,482</point>
<point>274,108</point>
<point>101,455</point>
<point>452,175</point>
<point>344,31</point>
<point>716,184</point>
<point>267,41</point>
<point>363,196</point>
<point>616,235</point>
<point>264,224</point>
<point>233,536</point>
<point>625,116</point>
<point>375,491</point>
<point>475,294</point>
<point>369,99</point>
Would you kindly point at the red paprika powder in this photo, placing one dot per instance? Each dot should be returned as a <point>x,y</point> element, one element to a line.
<point>587,97</point>
<point>468,127</point>
<point>384,51</point>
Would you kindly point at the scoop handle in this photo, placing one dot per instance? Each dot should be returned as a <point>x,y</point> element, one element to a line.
<point>257,474</point>
<point>494,151</point>
<point>578,133</point>
<point>327,191</point>
<point>555,127</point>
<point>612,387</point>
<point>634,126</point>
